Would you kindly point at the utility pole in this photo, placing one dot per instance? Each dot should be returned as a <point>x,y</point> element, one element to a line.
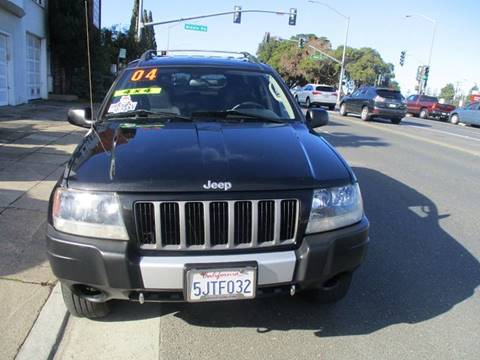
<point>342,68</point>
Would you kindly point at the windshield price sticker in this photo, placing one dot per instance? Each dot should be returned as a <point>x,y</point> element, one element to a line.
<point>149,75</point>
<point>138,91</point>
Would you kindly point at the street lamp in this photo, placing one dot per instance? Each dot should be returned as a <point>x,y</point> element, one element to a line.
<point>434,22</point>
<point>342,70</point>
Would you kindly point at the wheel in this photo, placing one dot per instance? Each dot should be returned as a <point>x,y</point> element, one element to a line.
<point>396,120</point>
<point>343,109</point>
<point>365,116</point>
<point>331,291</point>
<point>308,104</point>
<point>424,113</point>
<point>80,307</point>
<point>455,119</point>
<point>331,107</point>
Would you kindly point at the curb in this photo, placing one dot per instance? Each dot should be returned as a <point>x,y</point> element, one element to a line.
<point>47,330</point>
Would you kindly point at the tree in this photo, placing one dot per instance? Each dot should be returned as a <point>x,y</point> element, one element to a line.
<point>66,22</point>
<point>147,41</point>
<point>394,85</point>
<point>297,66</point>
<point>448,92</point>
<point>364,65</point>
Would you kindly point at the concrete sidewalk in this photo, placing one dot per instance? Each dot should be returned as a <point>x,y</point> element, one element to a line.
<point>35,143</point>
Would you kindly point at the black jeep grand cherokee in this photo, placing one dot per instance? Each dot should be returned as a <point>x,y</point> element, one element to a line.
<point>201,180</point>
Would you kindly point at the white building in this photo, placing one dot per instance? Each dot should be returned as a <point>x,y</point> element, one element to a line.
<point>23,51</point>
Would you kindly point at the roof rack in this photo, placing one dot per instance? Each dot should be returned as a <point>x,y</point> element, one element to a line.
<point>150,54</point>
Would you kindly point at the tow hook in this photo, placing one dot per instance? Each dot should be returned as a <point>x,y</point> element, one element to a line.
<point>141,298</point>
<point>292,290</point>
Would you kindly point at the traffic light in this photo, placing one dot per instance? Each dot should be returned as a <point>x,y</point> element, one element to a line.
<point>301,42</point>
<point>402,57</point>
<point>292,20</point>
<point>237,15</point>
<point>426,72</point>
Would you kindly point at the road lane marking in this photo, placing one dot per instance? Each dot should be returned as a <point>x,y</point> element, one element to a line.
<point>415,137</point>
<point>443,132</point>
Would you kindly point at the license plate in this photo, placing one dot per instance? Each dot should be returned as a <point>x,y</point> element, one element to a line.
<point>392,105</point>
<point>221,284</point>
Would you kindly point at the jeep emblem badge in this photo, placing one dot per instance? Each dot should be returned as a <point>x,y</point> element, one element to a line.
<point>217,185</point>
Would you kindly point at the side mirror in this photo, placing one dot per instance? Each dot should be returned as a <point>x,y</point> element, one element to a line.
<point>80,117</point>
<point>316,118</point>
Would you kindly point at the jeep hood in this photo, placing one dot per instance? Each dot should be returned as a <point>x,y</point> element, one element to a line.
<point>182,157</point>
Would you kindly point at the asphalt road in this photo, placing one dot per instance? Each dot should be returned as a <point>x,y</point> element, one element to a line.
<point>415,297</point>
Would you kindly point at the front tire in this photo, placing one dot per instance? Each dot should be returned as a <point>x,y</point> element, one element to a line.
<point>424,113</point>
<point>343,109</point>
<point>80,307</point>
<point>331,291</point>
<point>455,119</point>
<point>308,104</point>
<point>396,121</point>
<point>364,115</point>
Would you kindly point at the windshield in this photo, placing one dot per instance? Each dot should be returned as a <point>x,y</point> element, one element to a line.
<point>389,94</point>
<point>429,99</point>
<point>326,88</point>
<point>190,91</point>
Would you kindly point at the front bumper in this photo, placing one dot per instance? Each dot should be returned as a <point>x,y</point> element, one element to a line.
<point>120,272</point>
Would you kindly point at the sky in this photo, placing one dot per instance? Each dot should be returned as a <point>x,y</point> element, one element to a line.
<point>380,24</point>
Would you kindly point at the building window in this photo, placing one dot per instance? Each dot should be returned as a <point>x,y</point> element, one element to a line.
<point>33,67</point>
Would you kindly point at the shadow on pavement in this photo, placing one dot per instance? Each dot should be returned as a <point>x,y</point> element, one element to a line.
<point>414,271</point>
<point>35,143</point>
<point>405,121</point>
<point>341,139</point>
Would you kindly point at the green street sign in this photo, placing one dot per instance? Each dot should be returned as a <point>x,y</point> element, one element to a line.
<point>316,57</point>
<point>195,27</point>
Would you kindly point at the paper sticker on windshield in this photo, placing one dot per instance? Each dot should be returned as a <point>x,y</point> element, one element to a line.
<point>137,91</point>
<point>125,104</point>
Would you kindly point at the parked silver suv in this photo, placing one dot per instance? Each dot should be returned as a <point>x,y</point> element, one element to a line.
<point>317,94</point>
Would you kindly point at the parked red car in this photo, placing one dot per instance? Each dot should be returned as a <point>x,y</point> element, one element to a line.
<point>428,107</point>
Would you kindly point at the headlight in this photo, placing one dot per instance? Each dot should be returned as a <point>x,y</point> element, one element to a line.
<point>334,208</point>
<point>88,214</point>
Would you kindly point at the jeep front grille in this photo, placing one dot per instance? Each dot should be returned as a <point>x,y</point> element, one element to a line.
<point>229,224</point>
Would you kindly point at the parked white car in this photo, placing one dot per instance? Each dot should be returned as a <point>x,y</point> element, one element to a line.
<point>317,94</point>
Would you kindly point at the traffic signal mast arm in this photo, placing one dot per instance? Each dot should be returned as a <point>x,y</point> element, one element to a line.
<point>314,48</point>
<point>214,15</point>
<point>325,54</point>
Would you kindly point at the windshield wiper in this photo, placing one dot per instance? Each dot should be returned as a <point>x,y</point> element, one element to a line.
<point>142,114</point>
<point>235,113</point>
